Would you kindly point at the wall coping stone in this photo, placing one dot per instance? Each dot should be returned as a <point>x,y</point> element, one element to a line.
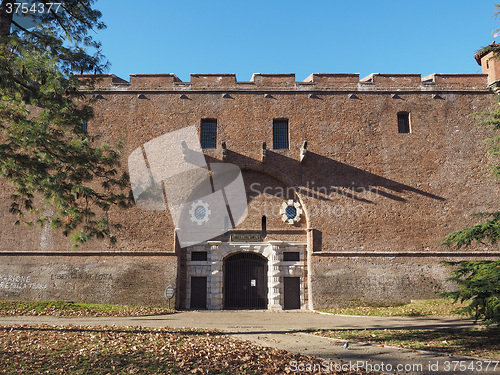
<point>405,254</point>
<point>88,253</point>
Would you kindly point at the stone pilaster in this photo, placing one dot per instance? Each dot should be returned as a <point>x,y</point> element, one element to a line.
<point>215,279</point>
<point>308,256</point>
<point>274,284</point>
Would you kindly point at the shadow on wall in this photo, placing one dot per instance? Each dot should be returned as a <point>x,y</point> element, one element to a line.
<point>320,177</point>
<point>351,179</point>
<point>316,178</point>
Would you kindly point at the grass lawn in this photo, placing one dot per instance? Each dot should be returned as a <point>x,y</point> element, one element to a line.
<point>111,350</point>
<point>430,307</point>
<point>480,342</point>
<point>61,308</point>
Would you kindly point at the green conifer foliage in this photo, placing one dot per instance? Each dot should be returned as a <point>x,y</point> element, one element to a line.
<point>60,175</point>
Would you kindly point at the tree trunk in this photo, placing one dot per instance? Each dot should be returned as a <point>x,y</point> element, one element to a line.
<point>5,18</point>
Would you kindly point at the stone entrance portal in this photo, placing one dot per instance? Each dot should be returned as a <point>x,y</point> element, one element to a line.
<point>245,281</point>
<point>247,275</point>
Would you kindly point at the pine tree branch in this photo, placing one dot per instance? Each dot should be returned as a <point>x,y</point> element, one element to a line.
<point>22,28</point>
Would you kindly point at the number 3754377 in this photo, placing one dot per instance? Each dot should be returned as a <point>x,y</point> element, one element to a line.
<point>34,8</point>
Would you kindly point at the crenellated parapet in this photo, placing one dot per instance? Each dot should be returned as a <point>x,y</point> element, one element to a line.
<point>278,80</point>
<point>153,81</point>
<point>456,80</point>
<point>227,82</point>
<point>209,80</point>
<point>393,80</point>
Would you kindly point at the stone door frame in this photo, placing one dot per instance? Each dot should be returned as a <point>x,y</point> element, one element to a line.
<point>217,251</point>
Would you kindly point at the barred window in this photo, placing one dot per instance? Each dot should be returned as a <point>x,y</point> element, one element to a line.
<point>280,134</point>
<point>403,122</point>
<point>85,126</point>
<point>199,256</point>
<point>208,134</point>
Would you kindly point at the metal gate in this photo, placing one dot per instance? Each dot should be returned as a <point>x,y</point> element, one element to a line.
<point>245,281</point>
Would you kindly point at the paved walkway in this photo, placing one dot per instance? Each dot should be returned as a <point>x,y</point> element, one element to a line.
<point>288,331</point>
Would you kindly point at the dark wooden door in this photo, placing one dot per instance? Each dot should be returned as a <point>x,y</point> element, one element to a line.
<point>245,281</point>
<point>198,292</point>
<point>291,290</point>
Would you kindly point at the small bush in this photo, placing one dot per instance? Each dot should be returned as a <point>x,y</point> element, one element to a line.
<point>479,287</point>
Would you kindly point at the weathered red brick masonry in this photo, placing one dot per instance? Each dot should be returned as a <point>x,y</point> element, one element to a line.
<point>393,163</point>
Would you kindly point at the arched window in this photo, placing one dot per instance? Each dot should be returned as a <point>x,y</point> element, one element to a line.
<point>403,122</point>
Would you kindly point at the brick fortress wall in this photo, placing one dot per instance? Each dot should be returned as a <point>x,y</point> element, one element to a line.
<point>377,202</point>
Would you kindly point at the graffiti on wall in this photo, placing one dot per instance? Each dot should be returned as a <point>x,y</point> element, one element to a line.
<point>82,276</point>
<point>19,282</point>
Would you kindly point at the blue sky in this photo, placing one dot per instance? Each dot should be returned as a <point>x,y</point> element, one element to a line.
<point>301,37</point>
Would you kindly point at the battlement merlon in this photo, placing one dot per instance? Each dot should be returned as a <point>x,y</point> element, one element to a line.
<point>262,82</point>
